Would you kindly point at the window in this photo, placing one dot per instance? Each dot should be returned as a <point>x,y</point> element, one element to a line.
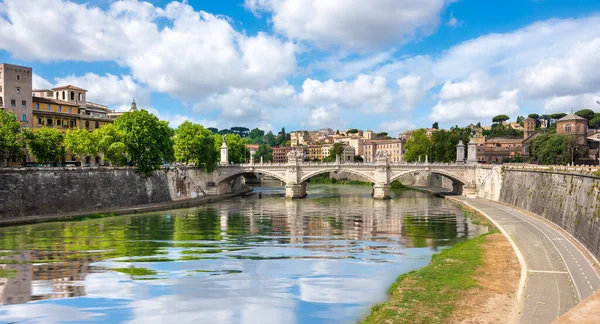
<point>18,77</point>
<point>39,121</point>
<point>568,128</point>
<point>73,123</point>
<point>49,121</point>
<point>59,109</point>
<point>23,103</point>
<point>87,124</point>
<point>48,107</point>
<point>97,125</point>
<point>37,106</point>
<point>80,97</point>
<point>57,95</point>
<point>1,102</point>
<point>70,110</point>
<point>24,117</point>
<point>18,90</point>
<point>63,95</point>
<point>72,95</point>
<point>0,88</point>
<point>13,103</point>
<point>0,75</point>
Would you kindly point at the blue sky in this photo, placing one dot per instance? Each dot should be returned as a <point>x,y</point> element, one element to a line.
<point>386,65</point>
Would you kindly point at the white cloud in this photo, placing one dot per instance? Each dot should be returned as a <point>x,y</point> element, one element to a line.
<point>40,83</point>
<point>354,24</point>
<point>576,102</point>
<point>453,22</point>
<point>477,84</point>
<point>567,74</point>
<point>326,116</point>
<point>394,127</point>
<point>117,92</point>
<point>366,91</point>
<point>412,90</point>
<point>188,54</point>
<point>476,109</point>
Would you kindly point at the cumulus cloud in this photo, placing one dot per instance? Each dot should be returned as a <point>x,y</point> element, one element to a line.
<point>412,90</point>
<point>575,102</point>
<point>352,24</point>
<point>186,53</point>
<point>40,83</point>
<point>368,92</point>
<point>115,91</point>
<point>326,116</point>
<point>477,108</point>
<point>394,127</point>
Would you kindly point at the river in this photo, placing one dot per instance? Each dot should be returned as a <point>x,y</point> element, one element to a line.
<point>256,259</point>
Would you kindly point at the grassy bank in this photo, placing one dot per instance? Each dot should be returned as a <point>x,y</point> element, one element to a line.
<point>430,295</point>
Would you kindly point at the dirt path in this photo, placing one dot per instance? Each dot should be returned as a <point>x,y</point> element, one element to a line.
<point>494,300</point>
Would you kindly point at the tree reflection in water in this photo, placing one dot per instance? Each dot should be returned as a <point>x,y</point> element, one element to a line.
<point>306,252</point>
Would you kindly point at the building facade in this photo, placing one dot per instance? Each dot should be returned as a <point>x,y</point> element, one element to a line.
<point>573,125</point>
<point>15,92</point>
<point>280,154</point>
<point>393,147</point>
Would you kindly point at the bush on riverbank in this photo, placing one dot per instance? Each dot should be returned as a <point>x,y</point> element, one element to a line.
<point>325,179</point>
<point>397,185</point>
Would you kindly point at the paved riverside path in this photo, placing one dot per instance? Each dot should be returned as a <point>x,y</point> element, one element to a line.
<point>558,274</point>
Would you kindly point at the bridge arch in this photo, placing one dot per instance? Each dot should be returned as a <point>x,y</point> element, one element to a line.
<point>234,174</point>
<point>457,182</point>
<point>309,175</point>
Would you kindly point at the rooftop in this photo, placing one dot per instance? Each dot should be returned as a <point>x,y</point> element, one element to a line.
<point>72,87</point>
<point>52,101</point>
<point>571,116</point>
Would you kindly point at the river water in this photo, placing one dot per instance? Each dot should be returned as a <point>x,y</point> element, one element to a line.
<point>257,259</point>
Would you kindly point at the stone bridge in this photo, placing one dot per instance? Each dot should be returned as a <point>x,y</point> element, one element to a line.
<point>381,173</point>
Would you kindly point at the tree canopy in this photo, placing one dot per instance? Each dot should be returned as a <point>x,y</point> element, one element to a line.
<point>264,151</point>
<point>500,118</point>
<point>435,125</point>
<point>45,144</point>
<point>585,113</point>
<point>238,153</point>
<point>148,140</point>
<point>335,150</point>
<point>81,143</point>
<point>111,143</point>
<point>10,138</point>
<point>195,144</point>
<point>352,131</point>
<point>549,149</point>
<point>418,145</point>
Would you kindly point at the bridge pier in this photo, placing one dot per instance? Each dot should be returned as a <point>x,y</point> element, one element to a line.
<point>381,191</point>
<point>295,191</point>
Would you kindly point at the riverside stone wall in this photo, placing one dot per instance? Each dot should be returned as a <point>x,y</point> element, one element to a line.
<point>43,191</point>
<point>571,201</point>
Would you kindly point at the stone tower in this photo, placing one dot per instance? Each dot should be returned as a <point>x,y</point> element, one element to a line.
<point>529,127</point>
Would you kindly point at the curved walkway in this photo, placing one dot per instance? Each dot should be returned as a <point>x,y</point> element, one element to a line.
<point>558,275</point>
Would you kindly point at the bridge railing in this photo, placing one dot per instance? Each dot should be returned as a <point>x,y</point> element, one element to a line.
<point>308,163</point>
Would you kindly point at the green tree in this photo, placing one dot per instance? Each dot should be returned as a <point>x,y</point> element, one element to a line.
<point>195,144</point>
<point>270,139</point>
<point>595,122</point>
<point>352,131</point>
<point>264,151</point>
<point>242,131</point>
<point>585,113</point>
<point>550,149</point>
<point>10,138</point>
<point>256,136</point>
<point>111,143</point>
<point>335,150</point>
<point>418,145</point>
<point>358,158</point>
<point>238,153</point>
<point>520,120</point>
<point>213,130</point>
<point>534,116</point>
<point>148,140</point>
<point>500,118</point>
<point>435,125</point>
<point>45,144</point>
<point>81,143</point>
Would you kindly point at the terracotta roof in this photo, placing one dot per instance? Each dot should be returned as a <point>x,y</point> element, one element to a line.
<point>53,101</point>
<point>571,116</point>
<point>69,87</point>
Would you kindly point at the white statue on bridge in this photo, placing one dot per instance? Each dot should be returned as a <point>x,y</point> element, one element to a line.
<point>381,156</point>
<point>295,155</point>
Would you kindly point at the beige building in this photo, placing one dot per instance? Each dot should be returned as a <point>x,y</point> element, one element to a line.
<point>393,147</point>
<point>574,125</point>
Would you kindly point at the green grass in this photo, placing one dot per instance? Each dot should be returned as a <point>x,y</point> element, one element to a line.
<point>429,295</point>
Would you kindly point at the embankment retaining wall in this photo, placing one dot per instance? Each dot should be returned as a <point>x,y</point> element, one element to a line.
<point>571,201</point>
<point>29,192</point>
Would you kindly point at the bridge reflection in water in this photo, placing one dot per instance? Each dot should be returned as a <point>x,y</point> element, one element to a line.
<point>276,254</point>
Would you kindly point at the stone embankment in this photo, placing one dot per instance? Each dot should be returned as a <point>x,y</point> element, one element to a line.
<point>26,192</point>
<point>569,197</point>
